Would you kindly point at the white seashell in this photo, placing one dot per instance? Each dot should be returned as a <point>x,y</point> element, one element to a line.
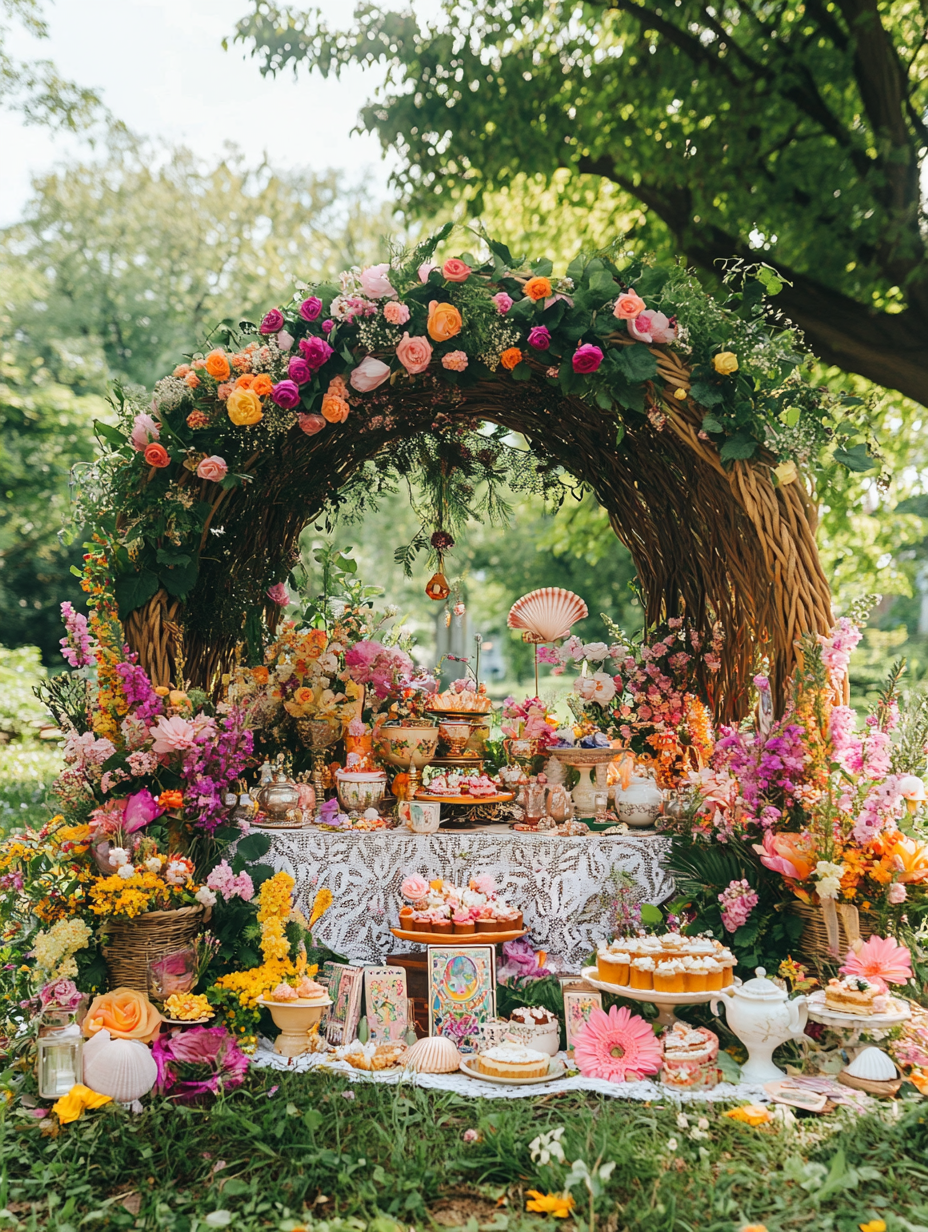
<point>435,1054</point>
<point>123,1069</point>
<point>546,614</point>
<point>874,1065</point>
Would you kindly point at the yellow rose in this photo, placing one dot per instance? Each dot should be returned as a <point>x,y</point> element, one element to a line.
<point>725,363</point>
<point>680,394</point>
<point>244,407</point>
<point>444,321</point>
<point>786,472</point>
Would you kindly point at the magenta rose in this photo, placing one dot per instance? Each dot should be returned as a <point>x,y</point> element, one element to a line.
<point>539,337</point>
<point>213,468</point>
<point>286,394</point>
<point>316,351</point>
<point>587,358</point>
<point>299,370</point>
<point>328,326</point>
<point>273,323</point>
<point>310,308</point>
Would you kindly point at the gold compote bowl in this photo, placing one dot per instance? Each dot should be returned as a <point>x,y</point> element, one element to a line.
<point>317,735</point>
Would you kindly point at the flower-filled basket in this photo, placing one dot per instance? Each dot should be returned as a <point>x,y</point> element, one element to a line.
<point>132,944</point>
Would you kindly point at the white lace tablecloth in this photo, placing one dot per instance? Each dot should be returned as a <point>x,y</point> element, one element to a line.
<point>725,1092</point>
<point>553,881</point>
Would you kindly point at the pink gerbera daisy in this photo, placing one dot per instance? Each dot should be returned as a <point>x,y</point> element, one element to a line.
<point>618,1046</point>
<point>881,960</point>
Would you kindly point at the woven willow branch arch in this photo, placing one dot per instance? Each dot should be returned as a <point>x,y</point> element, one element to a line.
<point>710,542</point>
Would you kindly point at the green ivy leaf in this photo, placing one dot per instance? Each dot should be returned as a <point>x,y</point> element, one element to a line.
<point>711,424</point>
<point>855,459</point>
<point>181,579</point>
<point>637,363</point>
<point>133,590</point>
<point>706,394</point>
<point>522,372</point>
<point>737,448</point>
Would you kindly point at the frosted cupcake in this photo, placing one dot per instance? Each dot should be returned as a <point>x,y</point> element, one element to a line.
<point>613,966</point>
<point>714,974</point>
<point>641,972</point>
<point>668,976</point>
<point>695,974</point>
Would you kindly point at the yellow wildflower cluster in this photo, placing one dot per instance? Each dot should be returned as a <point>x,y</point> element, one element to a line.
<point>188,1007</point>
<point>321,903</point>
<point>250,985</point>
<point>132,896</point>
<point>275,905</point>
<point>55,949</point>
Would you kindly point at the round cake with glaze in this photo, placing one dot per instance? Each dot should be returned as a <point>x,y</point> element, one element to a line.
<point>512,1061</point>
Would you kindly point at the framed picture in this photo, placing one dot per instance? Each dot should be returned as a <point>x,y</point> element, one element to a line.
<point>579,1000</point>
<point>346,984</point>
<point>385,1002</point>
<point>462,992</point>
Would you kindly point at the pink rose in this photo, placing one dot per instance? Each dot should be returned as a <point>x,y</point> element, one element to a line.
<point>628,306</point>
<point>425,269</point>
<point>316,351</point>
<point>414,888</point>
<point>415,354</point>
<point>144,431</point>
<point>455,270</point>
<point>503,302</point>
<point>174,735</point>
<point>273,322</point>
<point>396,314</point>
<point>375,282</point>
<point>299,370</point>
<point>213,468</point>
<point>587,358</point>
<point>311,424</point>
<point>652,327</point>
<point>310,308</point>
<point>279,594</point>
<point>454,361</point>
<point>369,374</point>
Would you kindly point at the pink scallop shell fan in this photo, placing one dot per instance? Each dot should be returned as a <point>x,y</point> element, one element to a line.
<point>618,1046</point>
<point>881,960</point>
<point>547,614</point>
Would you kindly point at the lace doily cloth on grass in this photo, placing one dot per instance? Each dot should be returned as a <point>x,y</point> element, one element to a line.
<point>725,1092</point>
<point>553,881</point>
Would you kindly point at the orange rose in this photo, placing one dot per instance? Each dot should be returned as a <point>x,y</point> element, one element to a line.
<point>910,858</point>
<point>537,288</point>
<point>318,638</point>
<point>171,799</point>
<point>334,409</point>
<point>191,380</point>
<point>303,696</point>
<point>444,321</point>
<point>126,1013</point>
<point>510,358</point>
<point>245,381</point>
<point>244,407</point>
<point>262,385</point>
<point>260,675</point>
<point>157,455</point>
<point>218,366</point>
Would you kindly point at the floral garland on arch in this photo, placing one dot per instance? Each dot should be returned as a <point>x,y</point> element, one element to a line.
<point>323,363</point>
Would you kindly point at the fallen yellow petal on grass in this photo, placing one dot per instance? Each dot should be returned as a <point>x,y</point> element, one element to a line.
<point>750,1114</point>
<point>875,1225</point>
<point>70,1106</point>
<point>558,1205</point>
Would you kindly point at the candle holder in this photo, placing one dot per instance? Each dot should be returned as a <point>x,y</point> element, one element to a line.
<point>59,1062</point>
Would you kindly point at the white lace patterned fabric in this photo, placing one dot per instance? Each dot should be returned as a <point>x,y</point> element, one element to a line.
<point>725,1092</point>
<point>551,880</point>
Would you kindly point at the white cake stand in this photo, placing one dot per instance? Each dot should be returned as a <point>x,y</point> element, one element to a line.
<point>666,1002</point>
<point>584,761</point>
<point>855,1025</point>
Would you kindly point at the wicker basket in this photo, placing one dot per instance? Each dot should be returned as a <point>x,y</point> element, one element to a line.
<point>132,944</point>
<point>813,946</point>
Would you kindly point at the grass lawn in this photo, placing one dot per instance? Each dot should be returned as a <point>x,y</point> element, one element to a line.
<point>291,1151</point>
<point>26,771</point>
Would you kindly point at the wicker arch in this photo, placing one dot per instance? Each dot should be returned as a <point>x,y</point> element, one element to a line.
<point>708,541</point>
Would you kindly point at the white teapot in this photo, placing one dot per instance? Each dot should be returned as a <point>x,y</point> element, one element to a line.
<point>640,803</point>
<point>762,1016</point>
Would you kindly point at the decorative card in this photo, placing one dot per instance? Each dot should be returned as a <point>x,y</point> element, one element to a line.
<point>462,992</point>
<point>385,999</point>
<point>578,1002</point>
<point>345,987</point>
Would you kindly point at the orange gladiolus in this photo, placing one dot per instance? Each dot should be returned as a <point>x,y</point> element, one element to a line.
<point>171,799</point>
<point>217,365</point>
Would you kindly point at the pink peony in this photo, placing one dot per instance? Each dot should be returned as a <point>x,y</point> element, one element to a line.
<point>213,468</point>
<point>415,354</point>
<point>652,327</point>
<point>454,361</point>
<point>279,594</point>
<point>502,301</point>
<point>396,314</point>
<point>414,888</point>
<point>587,358</point>
<point>311,424</point>
<point>369,374</point>
<point>375,281</point>
<point>316,351</point>
<point>628,306</point>
<point>174,735</point>
<point>144,431</point>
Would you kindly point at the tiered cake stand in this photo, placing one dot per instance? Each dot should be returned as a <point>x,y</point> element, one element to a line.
<point>666,1002</point>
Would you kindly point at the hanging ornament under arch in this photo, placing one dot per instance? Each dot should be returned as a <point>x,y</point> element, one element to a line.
<point>545,615</point>
<point>437,587</point>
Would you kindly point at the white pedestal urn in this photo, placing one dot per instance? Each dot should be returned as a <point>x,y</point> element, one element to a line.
<point>762,1016</point>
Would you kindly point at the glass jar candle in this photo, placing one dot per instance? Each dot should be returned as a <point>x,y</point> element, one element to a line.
<point>59,1059</point>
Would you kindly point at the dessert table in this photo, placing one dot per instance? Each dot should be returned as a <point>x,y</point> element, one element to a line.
<point>555,881</point>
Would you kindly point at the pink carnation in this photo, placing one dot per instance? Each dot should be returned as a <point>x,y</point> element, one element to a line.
<point>455,361</point>
<point>395,313</point>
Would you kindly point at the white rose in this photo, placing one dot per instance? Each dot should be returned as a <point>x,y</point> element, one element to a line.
<point>604,690</point>
<point>118,857</point>
<point>205,896</point>
<point>126,871</point>
<point>595,651</point>
<point>154,864</point>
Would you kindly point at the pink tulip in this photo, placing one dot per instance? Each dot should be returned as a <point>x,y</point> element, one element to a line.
<point>369,373</point>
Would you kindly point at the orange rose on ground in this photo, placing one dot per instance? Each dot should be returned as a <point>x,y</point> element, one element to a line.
<point>217,365</point>
<point>126,1013</point>
<point>510,358</point>
<point>334,409</point>
<point>444,321</point>
<point>537,288</point>
<point>244,407</point>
